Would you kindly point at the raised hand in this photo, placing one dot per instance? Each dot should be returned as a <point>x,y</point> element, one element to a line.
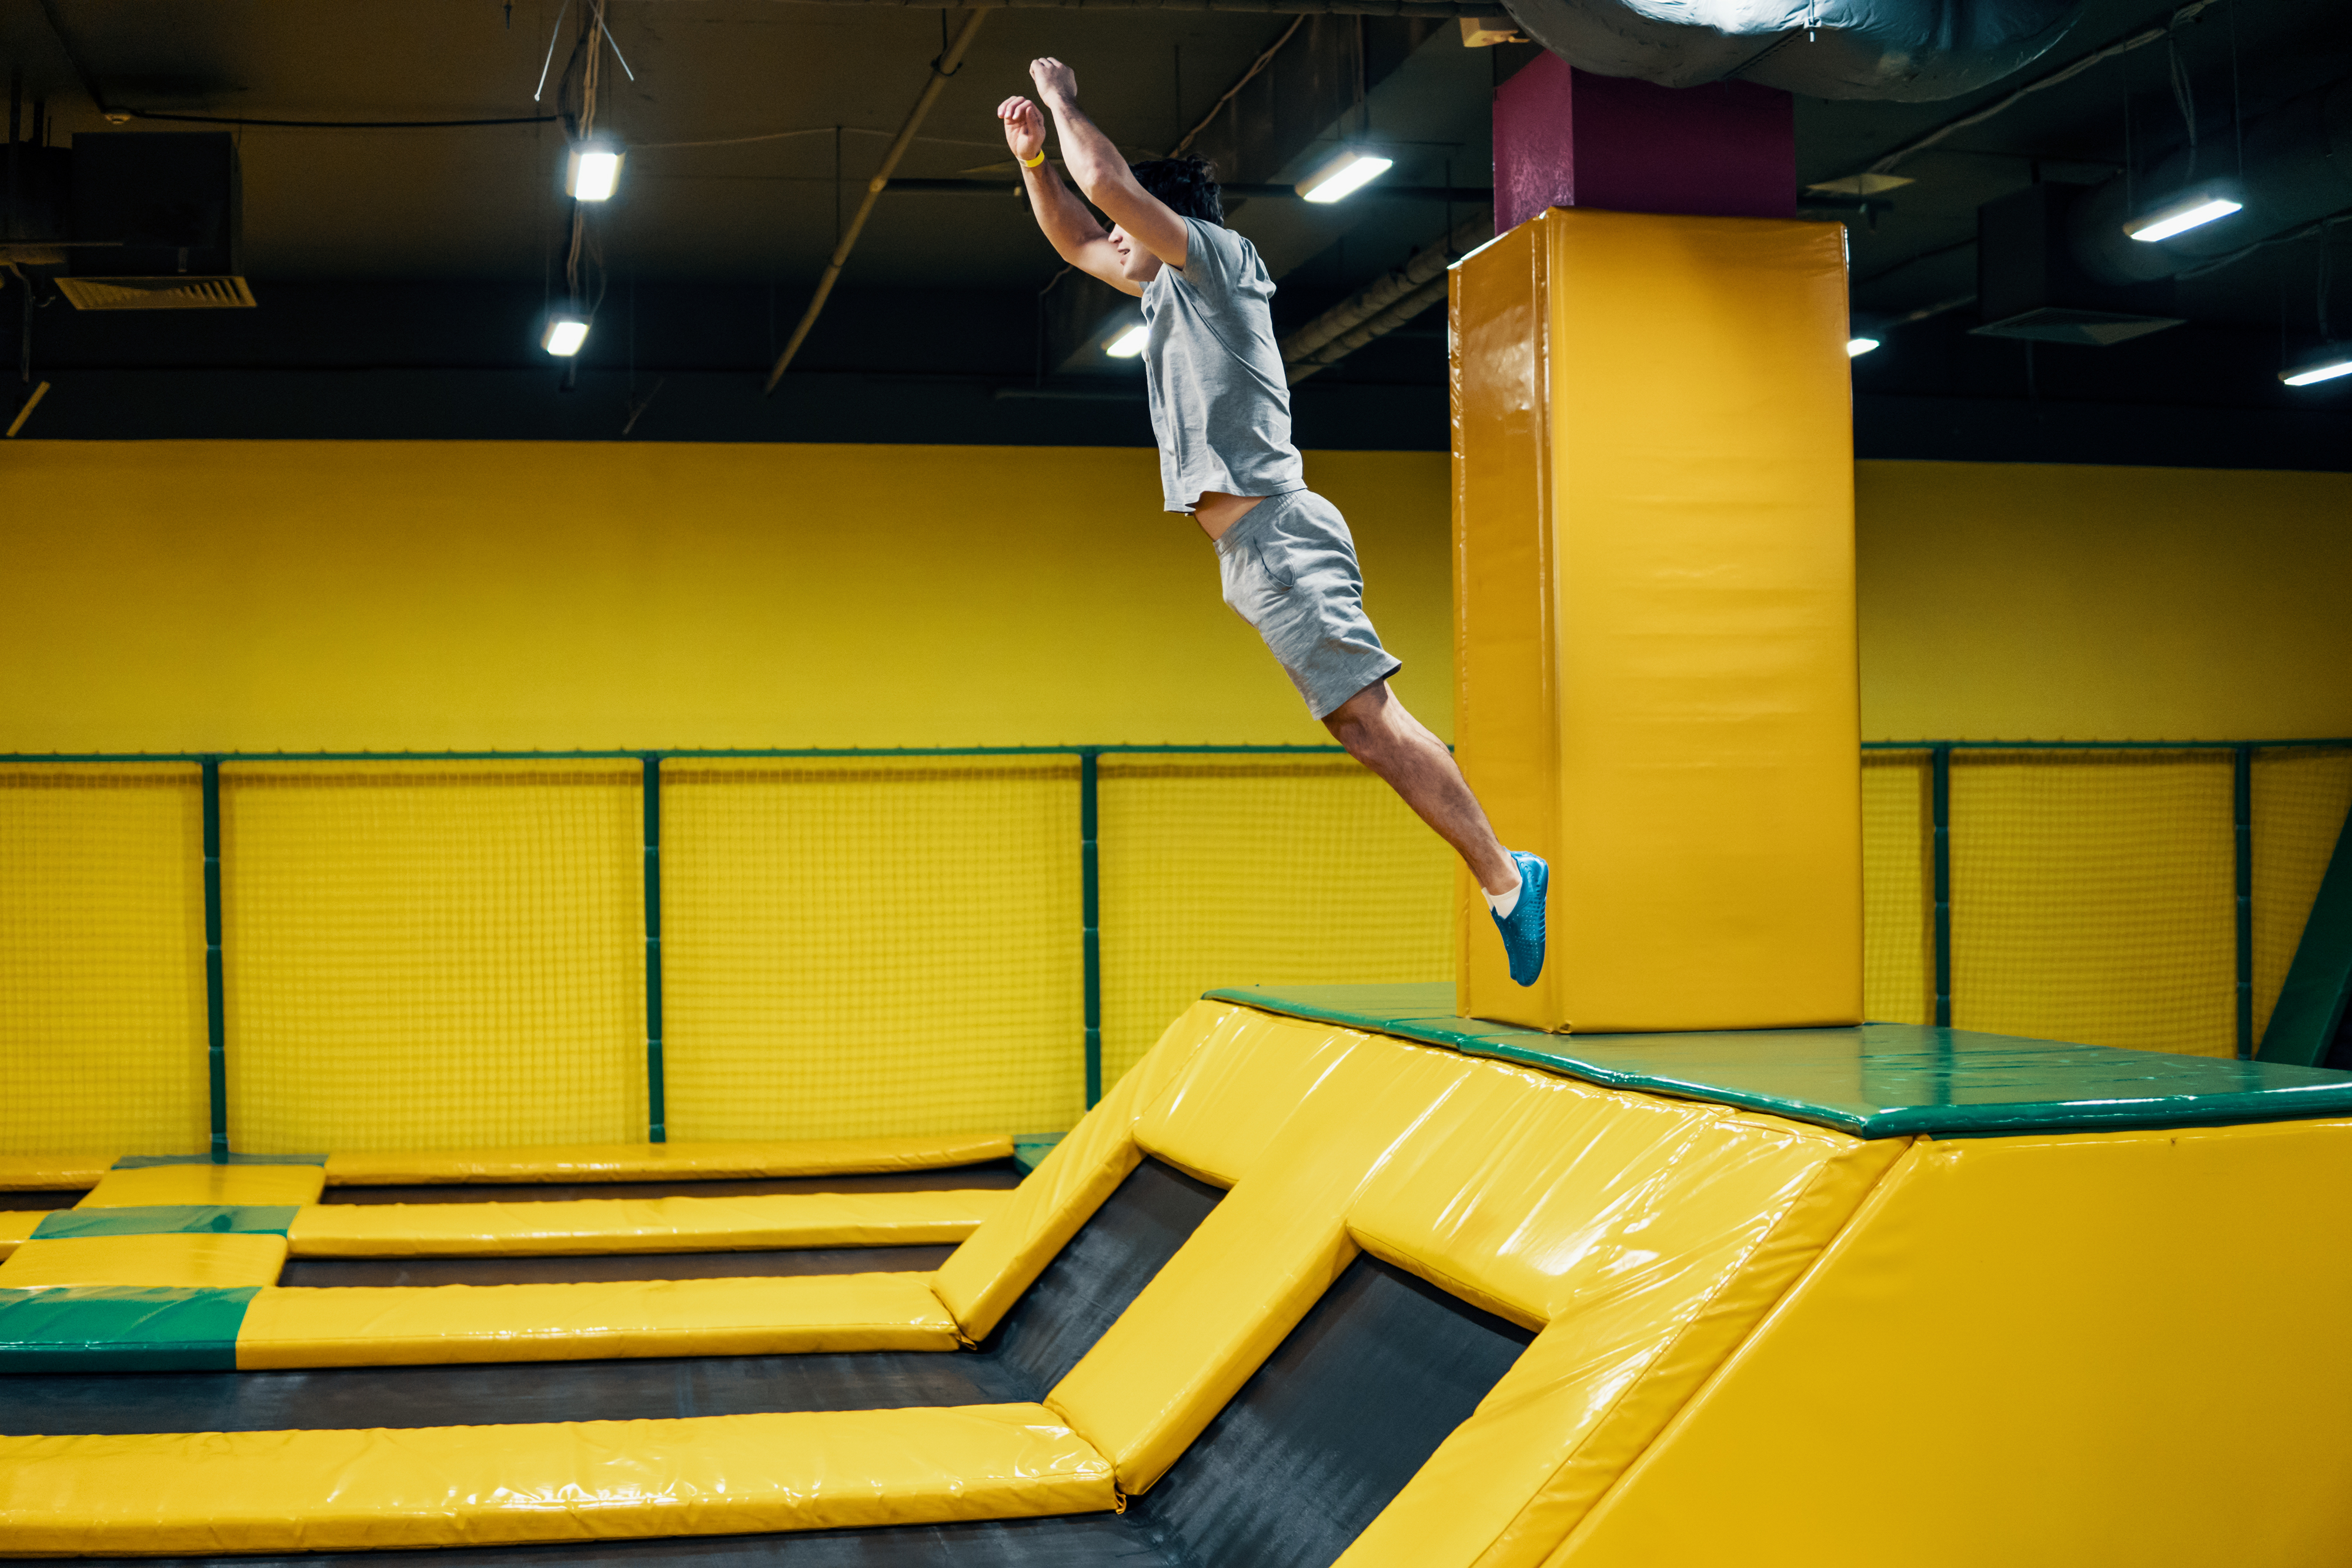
<point>1057,84</point>
<point>1024,128</point>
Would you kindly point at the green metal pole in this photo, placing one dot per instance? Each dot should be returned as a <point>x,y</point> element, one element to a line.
<point>1090,894</point>
<point>1940,804</point>
<point>2243,791</point>
<point>215,978</point>
<point>656,1097</point>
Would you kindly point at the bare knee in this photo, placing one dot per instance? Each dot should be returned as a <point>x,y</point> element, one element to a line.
<point>1364,723</point>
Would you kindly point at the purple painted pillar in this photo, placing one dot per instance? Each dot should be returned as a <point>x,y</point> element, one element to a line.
<point>1564,138</point>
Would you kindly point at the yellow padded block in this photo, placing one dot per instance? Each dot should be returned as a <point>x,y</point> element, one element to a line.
<point>1262,1257</point>
<point>18,1226</point>
<point>652,1161</point>
<point>398,1325</point>
<point>1654,616</point>
<point>248,1185</point>
<point>179,1261</point>
<point>2091,1325</point>
<point>981,1280</point>
<point>29,1173</point>
<point>638,1225</point>
<point>1645,1237</point>
<point>1219,1114</point>
<point>200,1494</point>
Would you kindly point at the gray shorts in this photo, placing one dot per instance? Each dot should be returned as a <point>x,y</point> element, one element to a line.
<point>1289,569</point>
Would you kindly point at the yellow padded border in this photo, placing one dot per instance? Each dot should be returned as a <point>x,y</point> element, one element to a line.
<point>242,1186</point>
<point>203,1493</point>
<point>400,1326</point>
<point>648,1162</point>
<point>175,1261</point>
<point>603,1226</point>
<point>18,1226</point>
<point>37,1173</point>
<point>987,1274</point>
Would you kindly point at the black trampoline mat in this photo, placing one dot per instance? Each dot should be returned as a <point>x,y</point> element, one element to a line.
<point>1116,1253</point>
<point>990,1174</point>
<point>1066,1541</point>
<point>1352,1401</point>
<point>566,1269</point>
<point>31,1199</point>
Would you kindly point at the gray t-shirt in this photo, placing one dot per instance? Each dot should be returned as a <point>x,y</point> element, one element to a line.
<point>1220,403</point>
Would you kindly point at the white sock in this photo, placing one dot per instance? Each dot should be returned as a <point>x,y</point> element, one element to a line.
<point>1502,904</point>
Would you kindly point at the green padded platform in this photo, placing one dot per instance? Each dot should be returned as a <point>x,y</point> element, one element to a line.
<point>1879,1081</point>
<point>121,1328</point>
<point>168,1219</point>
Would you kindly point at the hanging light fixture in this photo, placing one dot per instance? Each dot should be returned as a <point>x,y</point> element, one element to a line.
<point>592,169</point>
<point>2331,361</point>
<point>566,331</point>
<point>1344,175</point>
<point>2193,208</point>
<point>1130,343</point>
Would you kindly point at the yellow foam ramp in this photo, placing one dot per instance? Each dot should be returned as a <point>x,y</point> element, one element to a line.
<point>657,1162</point>
<point>398,1325</point>
<point>640,1225</point>
<point>496,1486</point>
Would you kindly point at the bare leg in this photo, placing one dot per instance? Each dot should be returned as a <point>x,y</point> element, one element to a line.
<point>1379,733</point>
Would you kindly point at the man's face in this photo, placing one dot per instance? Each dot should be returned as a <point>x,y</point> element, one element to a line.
<point>1136,262</point>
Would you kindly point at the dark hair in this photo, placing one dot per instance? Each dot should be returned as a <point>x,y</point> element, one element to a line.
<point>1187,185</point>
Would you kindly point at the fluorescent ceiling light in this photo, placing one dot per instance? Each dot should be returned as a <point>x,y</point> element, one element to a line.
<point>2191,209</point>
<point>1857,347</point>
<point>592,171</point>
<point>564,336</point>
<point>2332,362</point>
<point>1130,343</point>
<point>1349,172</point>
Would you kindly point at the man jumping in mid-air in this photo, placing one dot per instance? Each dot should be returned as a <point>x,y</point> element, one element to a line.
<point>1221,408</point>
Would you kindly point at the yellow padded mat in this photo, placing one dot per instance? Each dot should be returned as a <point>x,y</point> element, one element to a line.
<point>638,1225</point>
<point>434,955</point>
<point>245,1186</point>
<point>645,1162</point>
<point>28,1173</point>
<point>16,1227</point>
<point>202,1493</point>
<point>812,988</point>
<point>102,957</point>
<point>174,1261</point>
<point>397,1325</point>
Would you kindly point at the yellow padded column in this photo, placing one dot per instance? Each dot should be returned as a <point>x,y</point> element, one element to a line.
<point>1655,619</point>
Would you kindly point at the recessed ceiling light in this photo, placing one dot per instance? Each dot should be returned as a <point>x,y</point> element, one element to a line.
<point>1344,175</point>
<point>1130,343</point>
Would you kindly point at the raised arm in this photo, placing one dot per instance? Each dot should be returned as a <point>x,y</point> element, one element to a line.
<point>1095,163</point>
<point>1075,234</point>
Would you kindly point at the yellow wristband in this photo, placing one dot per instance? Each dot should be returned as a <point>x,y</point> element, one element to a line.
<point>1032,163</point>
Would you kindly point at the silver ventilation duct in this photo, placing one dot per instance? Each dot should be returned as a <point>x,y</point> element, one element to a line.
<point>1911,50</point>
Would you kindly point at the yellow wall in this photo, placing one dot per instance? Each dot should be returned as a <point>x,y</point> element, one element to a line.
<point>2018,602</point>
<point>194,595</point>
<point>312,596</point>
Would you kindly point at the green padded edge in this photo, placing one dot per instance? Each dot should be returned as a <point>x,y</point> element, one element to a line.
<point>168,1219</point>
<point>1030,1149</point>
<point>143,1162</point>
<point>2319,981</point>
<point>121,1328</point>
<point>1874,1080</point>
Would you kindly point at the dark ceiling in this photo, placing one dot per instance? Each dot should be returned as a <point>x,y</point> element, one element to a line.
<point>401,275</point>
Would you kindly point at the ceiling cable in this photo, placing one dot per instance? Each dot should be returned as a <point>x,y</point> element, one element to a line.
<point>1260,64</point>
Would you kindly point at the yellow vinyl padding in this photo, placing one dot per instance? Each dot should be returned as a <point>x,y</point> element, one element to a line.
<point>179,1261</point>
<point>1220,1115</point>
<point>247,1186</point>
<point>37,1173</point>
<point>403,1325</point>
<point>18,1226</point>
<point>639,1225</point>
<point>652,1161</point>
<point>982,1279</point>
<point>200,1494</point>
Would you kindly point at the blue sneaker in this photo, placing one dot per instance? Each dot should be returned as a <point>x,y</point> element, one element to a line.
<point>1523,933</point>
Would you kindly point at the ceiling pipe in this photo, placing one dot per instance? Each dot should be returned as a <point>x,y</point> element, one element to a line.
<point>1913,51</point>
<point>1385,305</point>
<point>2298,168</point>
<point>950,59</point>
